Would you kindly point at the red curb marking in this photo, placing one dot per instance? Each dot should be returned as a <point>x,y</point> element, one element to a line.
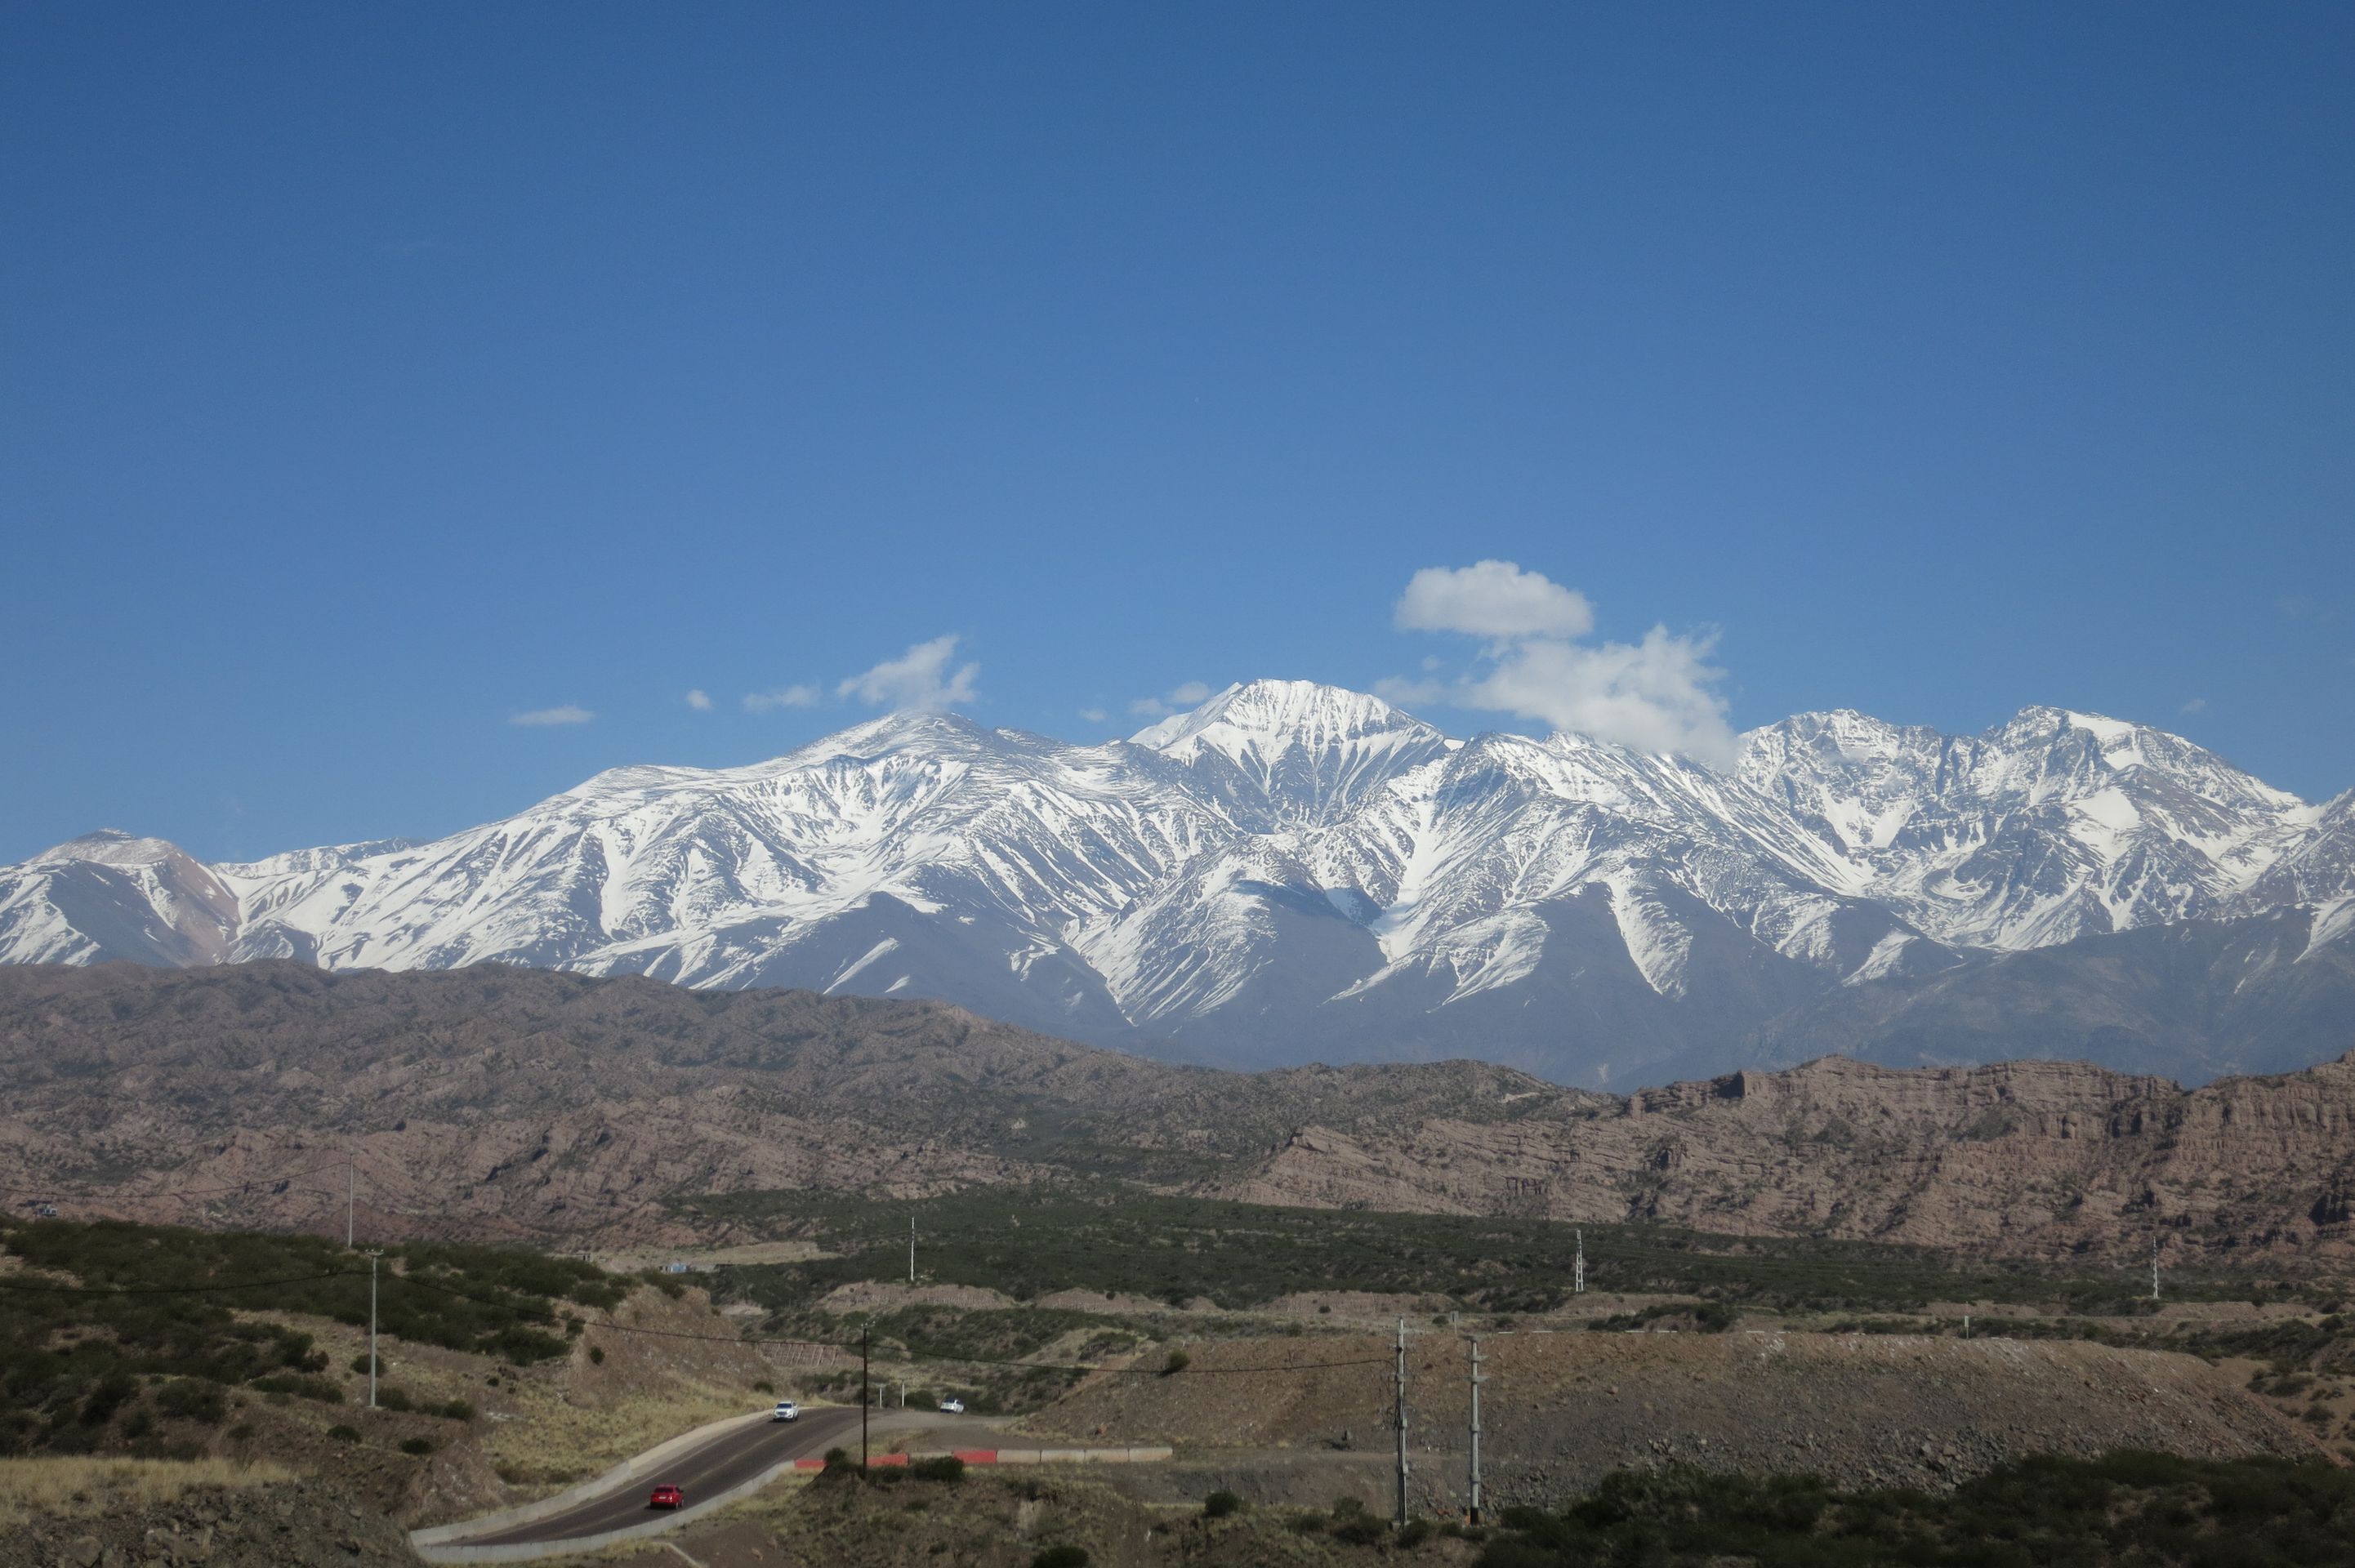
<point>976,1456</point>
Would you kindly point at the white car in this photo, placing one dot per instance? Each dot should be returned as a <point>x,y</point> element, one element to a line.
<point>953,1407</point>
<point>786,1411</point>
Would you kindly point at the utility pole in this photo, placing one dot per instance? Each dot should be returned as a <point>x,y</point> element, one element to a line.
<point>1474,1517</point>
<point>863,1398</point>
<point>1399,1421</point>
<point>351,1197</point>
<point>372,1261</point>
<point>911,1249</point>
<point>2154,1266</point>
<point>1578,1267</point>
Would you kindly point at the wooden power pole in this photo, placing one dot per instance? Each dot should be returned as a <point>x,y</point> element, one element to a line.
<point>1399,1421</point>
<point>1474,1517</point>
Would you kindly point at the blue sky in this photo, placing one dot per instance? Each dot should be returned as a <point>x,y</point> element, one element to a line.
<point>370,376</point>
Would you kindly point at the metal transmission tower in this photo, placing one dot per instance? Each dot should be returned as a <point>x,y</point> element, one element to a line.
<point>1474,1518</point>
<point>864,1399</point>
<point>1578,1267</point>
<point>1399,1421</point>
<point>911,1249</point>
<point>351,1199</point>
<point>2154,1268</point>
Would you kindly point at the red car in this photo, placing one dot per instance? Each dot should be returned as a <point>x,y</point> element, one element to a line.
<point>667,1497</point>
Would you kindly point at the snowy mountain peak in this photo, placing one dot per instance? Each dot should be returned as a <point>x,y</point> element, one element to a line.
<point>907,726</point>
<point>1277,754</point>
<point>110,846</point>
<point>111,894</point>
<point>1292,869</point>
<point>1301,711</point>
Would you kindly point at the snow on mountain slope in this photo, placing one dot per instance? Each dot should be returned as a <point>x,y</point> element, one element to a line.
<point>1288,871</point>
<point>108,896</point>
<point>788,871</point>
<point>2049,827</point>
<point>1277,754</point>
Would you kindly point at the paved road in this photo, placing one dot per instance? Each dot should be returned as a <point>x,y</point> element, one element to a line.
<point>729,1459</point>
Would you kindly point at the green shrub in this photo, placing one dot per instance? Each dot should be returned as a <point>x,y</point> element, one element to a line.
<point>1179,1361</point>
<point>190,1399</point>
<point>523,1346</point>
<point>312,1388</point>
<point>762,1385</point>
<point>456,1410</point>
<point>396,1400</point>
<point>2126,1507</point>
<point>940,1467</point>
<point>597,1355</point>
<point>1063,1556</point>
<point>418,1446</point>
<point>184,1317</point>
<point>340,1433</point>
<point>1217,1504</point>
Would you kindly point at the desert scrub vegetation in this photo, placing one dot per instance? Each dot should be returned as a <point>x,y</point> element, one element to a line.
<point>1030,1241</point>
<point>110,1329</point>
<point>986,1333</point>
<point>1704,1317</point>
<point>94,1487</point>
<point>2125,1507</point>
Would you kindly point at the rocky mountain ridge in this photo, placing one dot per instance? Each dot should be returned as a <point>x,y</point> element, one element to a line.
<point>1293,872</point>
<point>500,1102</point>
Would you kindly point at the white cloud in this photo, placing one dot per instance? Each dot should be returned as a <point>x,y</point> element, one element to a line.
<point>1495,599</point>
<point>1405,694</point>
<point>569,714</point>
<point>782,697</point>
<point>1659,694</point>
<point>1094,715</point>
<point>919,678</point>
<point>699,700</point>
<point>1187,694</point>
<point>1655,695</point>
<point>2193,706</point>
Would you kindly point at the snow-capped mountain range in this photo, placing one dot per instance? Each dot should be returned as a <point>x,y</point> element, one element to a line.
<point>1293,872</point>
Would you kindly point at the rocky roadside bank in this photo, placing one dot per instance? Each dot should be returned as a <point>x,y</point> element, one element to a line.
<point>295,1524</point>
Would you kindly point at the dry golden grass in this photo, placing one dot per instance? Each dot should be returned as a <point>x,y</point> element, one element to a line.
<point>87,1487</point>
<point>555,1444</point>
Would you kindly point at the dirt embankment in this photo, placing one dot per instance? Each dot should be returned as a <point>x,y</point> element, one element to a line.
<point>1562,1410</point>
<point>292,1525</point>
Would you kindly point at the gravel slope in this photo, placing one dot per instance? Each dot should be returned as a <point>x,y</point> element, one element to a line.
<point>1560,1410</point>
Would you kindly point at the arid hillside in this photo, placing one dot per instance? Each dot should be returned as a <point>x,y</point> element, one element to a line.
<point>2040,1159</point>
<point>500,1101</point>
<point>1560,1410</point>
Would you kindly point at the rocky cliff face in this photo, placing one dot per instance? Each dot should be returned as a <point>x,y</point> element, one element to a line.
<point>2034,1157</point>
